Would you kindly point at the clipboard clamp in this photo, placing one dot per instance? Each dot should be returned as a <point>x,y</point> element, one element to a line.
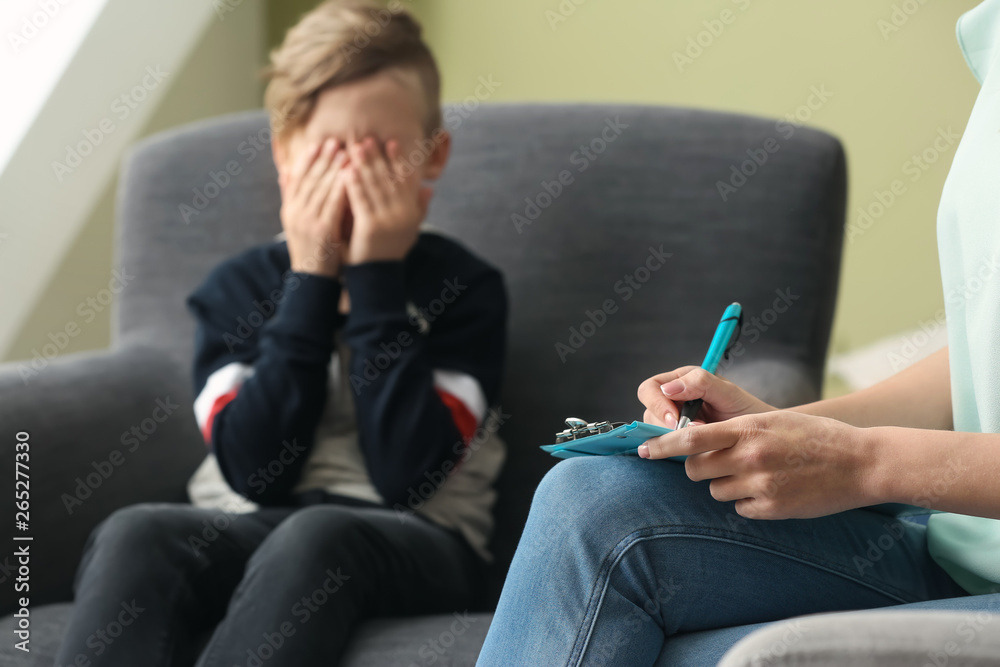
<point>580,428</point>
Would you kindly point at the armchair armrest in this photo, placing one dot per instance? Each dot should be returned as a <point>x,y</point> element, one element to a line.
<point>873,639</point>
<point>105,430</point>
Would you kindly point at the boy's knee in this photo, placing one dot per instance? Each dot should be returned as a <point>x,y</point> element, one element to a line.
<point>318,534</point>
<point>144,528</point>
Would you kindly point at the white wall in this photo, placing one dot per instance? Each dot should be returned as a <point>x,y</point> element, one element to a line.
<point>116,85</point>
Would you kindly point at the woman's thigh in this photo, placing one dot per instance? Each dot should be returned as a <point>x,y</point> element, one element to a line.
<point>620,553</point>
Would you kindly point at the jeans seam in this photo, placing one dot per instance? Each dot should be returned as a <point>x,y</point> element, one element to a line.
<point>625,544</point>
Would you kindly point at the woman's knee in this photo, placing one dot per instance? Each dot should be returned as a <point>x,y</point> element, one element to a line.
<point>585,490</point>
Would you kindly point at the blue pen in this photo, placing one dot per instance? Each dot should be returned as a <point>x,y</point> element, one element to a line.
<point>725,336</point>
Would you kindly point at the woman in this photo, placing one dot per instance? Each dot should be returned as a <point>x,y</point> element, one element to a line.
<point>622,558</point>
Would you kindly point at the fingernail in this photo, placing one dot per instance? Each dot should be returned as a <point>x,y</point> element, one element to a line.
<point>672,387</point>
<point>644,451</point>
<point>670,420</point>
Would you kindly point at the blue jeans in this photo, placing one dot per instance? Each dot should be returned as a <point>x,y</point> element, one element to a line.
<point>625,561</point>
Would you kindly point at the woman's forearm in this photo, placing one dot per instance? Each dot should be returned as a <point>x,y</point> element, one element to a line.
<point>941,470</point>
<point>917,397</point>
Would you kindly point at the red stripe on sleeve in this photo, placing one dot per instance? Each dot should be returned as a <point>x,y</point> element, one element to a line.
<point>220,402</point>
<point>460,414</point>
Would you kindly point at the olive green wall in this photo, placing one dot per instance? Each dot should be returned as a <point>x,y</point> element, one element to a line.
<point>891,91</point>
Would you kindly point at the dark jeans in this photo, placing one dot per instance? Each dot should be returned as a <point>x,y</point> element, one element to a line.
<point>281,586</point>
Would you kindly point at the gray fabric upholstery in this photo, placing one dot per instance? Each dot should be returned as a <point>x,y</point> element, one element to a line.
<point>389,642</point>
<point>77,411</point>
<point>655,184</point>
<point>47,625</point>
<point>874,639</point>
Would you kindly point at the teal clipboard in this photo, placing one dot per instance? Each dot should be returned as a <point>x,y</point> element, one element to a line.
<point>620,441</point>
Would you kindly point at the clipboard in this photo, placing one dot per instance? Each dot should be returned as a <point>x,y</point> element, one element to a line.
<point>604,439</point>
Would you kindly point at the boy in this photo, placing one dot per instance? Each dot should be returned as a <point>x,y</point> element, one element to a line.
<point>341,482</point>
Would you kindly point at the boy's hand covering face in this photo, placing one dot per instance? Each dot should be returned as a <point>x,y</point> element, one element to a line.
<point>314,208</point>
<point>387,199</point>
<point>350,203</point>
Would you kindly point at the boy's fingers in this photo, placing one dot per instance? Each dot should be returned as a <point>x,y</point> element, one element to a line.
<point>319,167</point>
<point>356,191</point>
<point>321,194</point>
<point>301,166</point>
<point>401,171</point>
<point>332,209</point>
<point>365,175</point>
<point>383,177</point>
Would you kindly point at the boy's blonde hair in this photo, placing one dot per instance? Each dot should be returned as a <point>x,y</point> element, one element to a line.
<point>342,41</point>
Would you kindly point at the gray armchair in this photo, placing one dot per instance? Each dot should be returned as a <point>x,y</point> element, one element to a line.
<point>569,201</point>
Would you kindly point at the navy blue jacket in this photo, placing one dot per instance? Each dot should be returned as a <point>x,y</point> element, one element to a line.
<point>263,348</point>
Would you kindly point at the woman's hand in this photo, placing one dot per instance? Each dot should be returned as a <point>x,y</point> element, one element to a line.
<point>663,394</point>
<point>779,465</point>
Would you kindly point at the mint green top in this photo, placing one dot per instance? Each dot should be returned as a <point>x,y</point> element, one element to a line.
<point>968,548</point>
